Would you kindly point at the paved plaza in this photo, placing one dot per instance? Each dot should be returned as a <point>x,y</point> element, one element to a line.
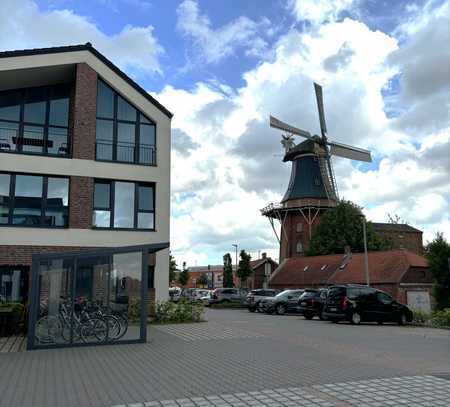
<point>240,359</point>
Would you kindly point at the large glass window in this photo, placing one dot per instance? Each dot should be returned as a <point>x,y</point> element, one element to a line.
<point>123,133</point>
<point>34,200</point>
<point>35,120</point>
<point>5,182</point>
<point>57,209</point>
<point>123,205</point>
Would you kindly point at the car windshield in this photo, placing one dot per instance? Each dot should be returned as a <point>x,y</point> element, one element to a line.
<point>308,294</point>
<point>286,293</point>
<point>336,292</point>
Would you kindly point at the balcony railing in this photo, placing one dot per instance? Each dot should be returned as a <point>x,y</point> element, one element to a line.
<point>126,152</point>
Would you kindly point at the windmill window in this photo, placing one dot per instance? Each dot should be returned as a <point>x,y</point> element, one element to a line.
<point>299,247</point>
<point>299,227</point>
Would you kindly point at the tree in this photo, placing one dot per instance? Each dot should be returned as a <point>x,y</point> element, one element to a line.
<point>183,277</point>
<point>173,268</point>
<point>244,270</point>
<point>202,280</point>
<point>342,226</point>
<point>227,271</point>
<point>437,253</point>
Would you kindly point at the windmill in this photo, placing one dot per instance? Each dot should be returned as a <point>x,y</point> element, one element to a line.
<point>328,148</point>
<point>312,187</point>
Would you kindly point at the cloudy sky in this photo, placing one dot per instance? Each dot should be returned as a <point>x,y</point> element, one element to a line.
<point>223,65</point>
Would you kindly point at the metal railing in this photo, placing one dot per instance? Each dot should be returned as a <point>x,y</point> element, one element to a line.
<point>126,152</point>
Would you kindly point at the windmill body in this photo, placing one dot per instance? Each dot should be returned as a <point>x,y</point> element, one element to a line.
<point>312,187</point>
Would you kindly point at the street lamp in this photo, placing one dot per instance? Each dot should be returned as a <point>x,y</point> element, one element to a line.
<point>366,258</point>
<point>236,247</point>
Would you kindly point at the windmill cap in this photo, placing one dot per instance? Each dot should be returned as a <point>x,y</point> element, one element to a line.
<point>305,147</point>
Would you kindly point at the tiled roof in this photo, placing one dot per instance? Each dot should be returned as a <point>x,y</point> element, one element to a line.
<point>88,47</point>
<point>219,267</point>
<point>393,227</point>
<point>384,267</point>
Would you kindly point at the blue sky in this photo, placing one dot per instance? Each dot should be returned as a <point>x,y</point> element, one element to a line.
<point>222,66</point>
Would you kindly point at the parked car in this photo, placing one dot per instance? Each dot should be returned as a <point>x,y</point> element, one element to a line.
<point>312,302</point>
<point>206,299</point>
<point>286,301</point>
<point>255,296</point>
<point>228,295</point>
<point>199,293</point>
<point>357,303</point>
<point>175,294</point>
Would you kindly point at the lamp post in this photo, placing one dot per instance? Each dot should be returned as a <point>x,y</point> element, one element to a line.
<point>236,247</point>
<point>366,258</point>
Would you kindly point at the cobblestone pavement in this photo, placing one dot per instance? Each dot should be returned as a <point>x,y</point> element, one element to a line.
<point>397,391</point>
<point>237,354</point>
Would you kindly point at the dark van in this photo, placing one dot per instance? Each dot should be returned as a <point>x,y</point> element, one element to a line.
<point>358,303</point>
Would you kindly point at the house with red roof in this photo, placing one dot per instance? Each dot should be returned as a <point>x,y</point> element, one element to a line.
<point>402,274</point>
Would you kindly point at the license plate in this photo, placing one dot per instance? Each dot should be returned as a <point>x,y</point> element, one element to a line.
<point>303,303</point>
<point>333,309</point>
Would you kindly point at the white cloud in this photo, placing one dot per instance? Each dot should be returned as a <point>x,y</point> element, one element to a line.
<point>216,44</point>
<point>233,172</point>
<point>318,11</point>
<point>23,25</point>
<point>423,62</point>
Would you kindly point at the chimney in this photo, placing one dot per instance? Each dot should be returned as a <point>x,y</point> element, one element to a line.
<point>264,255</point>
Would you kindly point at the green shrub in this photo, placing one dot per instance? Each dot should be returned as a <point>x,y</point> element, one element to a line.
<point>441,318</point>
<point>16,307</point>
<point>420,317</point>
<point>134,310</point>
<point>183,311</point>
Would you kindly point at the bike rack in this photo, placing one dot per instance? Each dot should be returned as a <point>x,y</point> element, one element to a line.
<point>122,275</point>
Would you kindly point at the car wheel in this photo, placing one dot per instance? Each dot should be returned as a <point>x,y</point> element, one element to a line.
<point>321,317</point>
<point>308,316</point>
<point>355,318</point>
<point>402,320</point>
<point>252,309</point>
<point>281,309</point>
<point>380,322</point>
<point>335,321</point>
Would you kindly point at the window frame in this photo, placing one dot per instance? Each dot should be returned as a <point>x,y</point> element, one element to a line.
<point>21,123</point>
<point>44,197</point>
<point>137,131</point>
<point>136,210</point>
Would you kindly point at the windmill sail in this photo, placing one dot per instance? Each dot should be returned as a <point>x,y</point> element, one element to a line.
<point>319,97</point>
<point>353,153</point>
<point>278,124</point>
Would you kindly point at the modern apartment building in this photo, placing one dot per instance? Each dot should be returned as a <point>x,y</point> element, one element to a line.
<point>84,165</point>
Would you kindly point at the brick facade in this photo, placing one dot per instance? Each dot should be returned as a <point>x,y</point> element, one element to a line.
<point>292,233</point>
<point>411,241</point>
<point>81,202</point>
<point>83,141</point>
<point>21,255</point>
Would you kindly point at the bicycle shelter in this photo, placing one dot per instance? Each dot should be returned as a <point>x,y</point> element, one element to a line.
<point>90,297</point>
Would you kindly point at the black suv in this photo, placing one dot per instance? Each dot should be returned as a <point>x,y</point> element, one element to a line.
<point>357,303</point>
<point>312,301</point>
<point>286,301</point>
<point>255,296</point>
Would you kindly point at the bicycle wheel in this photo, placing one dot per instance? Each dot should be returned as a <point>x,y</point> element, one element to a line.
<point>93,330</point>
<point>123,320</point>
<point>114,327</point>
<point>48,329</point>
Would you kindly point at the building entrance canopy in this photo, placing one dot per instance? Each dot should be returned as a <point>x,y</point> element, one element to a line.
<point>90,297</point>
